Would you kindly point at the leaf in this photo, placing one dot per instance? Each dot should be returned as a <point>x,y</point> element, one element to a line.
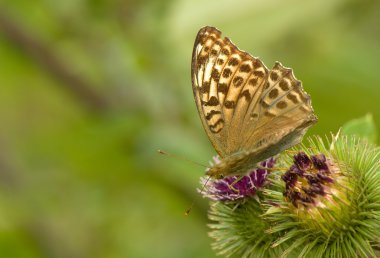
<point>363,127</point>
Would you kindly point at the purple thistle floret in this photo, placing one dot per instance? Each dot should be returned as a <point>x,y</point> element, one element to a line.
<point>302,161</point>
<point>221,189</point>
<point>319,162</point>
<point>307,179</point>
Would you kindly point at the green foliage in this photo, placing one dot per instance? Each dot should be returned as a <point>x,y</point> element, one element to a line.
<point>363,127</point>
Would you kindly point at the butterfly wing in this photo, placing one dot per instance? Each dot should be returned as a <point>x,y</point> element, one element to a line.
<point>224,79</point>
<point>282,109</point>
<point>248,112</point>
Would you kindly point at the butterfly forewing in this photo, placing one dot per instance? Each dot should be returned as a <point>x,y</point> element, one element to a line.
<point>225,81</point>
<point>247,111</point>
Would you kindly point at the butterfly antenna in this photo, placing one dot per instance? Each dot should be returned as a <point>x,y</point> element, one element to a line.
<point>187,212</point>
<point>181,158</point>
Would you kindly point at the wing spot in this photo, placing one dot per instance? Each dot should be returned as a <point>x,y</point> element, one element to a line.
<point>212,36</point>
<point>213,101</point>
<point>229,104</point>
<point>202,59</point>
<point>216,131</point>
<point>252,82</point>
<point>238,81</point>
<point>220,121</point>
<point>206,49</point>
<point>267,84</point>
<point>245,94</point>
<point>215,74</point>
<point>274,76</point>
<point>218,43</point>
<point>273,93</point>
<point>213,52</point>
<point>205,87</point>
<point>293,98</point>
<point>245,68</point>
<point>233,62</point>
<point>259,74</point>
<point>212,113</point>
<point>269,114</point>
<point>303,96</point>
<point>222,88</point>
<point>227,73</point>
<point>281,105</point>
<point>284,85</point>
<point>220,61</point>
<point>296,84</point>
<point>226,52</point>
<point>254,115</point>
<point>257,64</point>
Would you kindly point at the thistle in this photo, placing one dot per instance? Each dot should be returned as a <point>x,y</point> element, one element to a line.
<point>236,207</point>
<point>234,188</point>
<point>326,204</point>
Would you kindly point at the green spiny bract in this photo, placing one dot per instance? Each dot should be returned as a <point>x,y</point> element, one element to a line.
<point>240,230</point>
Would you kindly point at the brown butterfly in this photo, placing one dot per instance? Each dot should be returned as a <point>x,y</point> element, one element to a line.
<point>249,113</point>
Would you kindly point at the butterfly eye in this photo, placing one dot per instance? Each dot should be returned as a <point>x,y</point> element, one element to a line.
<point>220,176</point>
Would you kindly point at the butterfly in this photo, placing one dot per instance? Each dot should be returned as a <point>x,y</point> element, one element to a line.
<point>249,113</point>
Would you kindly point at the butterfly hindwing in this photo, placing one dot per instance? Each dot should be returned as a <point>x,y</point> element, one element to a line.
<point>283,107</point>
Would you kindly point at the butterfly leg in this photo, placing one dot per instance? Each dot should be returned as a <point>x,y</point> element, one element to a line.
<point>293,152</point>
<point>272,169</point>
<point>313,149</point>
<point>231,186</point>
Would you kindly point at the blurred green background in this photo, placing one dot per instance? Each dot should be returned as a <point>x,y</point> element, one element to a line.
<point>89,90</point>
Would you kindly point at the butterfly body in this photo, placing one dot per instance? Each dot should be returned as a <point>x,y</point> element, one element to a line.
<point>249,112</point>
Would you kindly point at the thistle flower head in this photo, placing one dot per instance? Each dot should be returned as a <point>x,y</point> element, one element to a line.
<point>309,179</point>
<point>330,199</point>
<point>234,188</point>
<point>326,204</point>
